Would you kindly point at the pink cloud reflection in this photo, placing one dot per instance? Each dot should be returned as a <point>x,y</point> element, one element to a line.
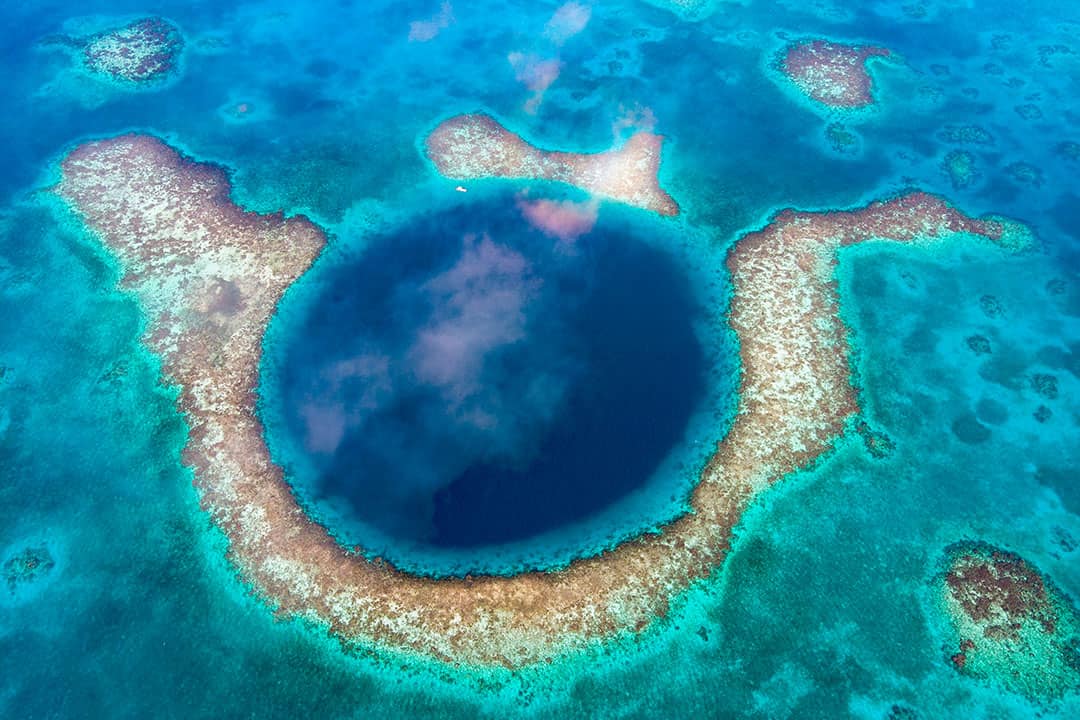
<point>536,74</point>
<point>568,21</point>
<point>424,30</point>
<point>325,418</point>
<point>324,426</point>
<point>479,307</point>
<point>563,219</point>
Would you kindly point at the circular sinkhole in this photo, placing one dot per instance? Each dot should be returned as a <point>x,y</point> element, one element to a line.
<point>495,387</point>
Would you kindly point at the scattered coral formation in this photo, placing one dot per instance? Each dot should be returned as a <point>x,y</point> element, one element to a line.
<point>1029,111</point>
<point>27,565</point>
<point>1045,384</point>
<point>959,165</point>
<point>688,9</point>
<point>831,73</point>
<point>877,443</point>
<point>1025,173</point>
<point>1046,52</point>
<point>143,51</point>
<point>1068,150</point>
<point>841,139</point>
<point>991,306</point>
<point>978,344</point>
<point>972,134</point>
<point>466,147</point>
<point>209,275</point>
<point>1007,623</point>
<point>902,712</point>
<point>1064,539</point>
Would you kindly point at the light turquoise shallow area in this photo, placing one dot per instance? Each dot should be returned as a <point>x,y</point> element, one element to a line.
<point>822,610</point>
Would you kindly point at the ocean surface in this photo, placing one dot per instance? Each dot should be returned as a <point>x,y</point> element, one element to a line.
<point>609,369</point>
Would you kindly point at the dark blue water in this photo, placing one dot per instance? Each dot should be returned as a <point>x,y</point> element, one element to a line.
<point>470,381</point>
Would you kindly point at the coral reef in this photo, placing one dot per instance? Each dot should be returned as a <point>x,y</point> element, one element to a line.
<point>831,73</point>
<point>465,147</point>
<point>842,140</point>
<point>991,306</point>
<point>1029,111</point>
<point>1068,150</point>
<point>1045,384</point>
<point>877,443</point>
<point>208,276</point>
<point>972,134</point>
<point>27,565</point>
<point>143,51</point>
<point>959,165</point>
<point>1007,623</point>
<point>687,9</point>
<point>1025,173</point>
<point>978,344</point>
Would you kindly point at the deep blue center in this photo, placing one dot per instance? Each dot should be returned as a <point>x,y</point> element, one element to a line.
<point>471,380</point>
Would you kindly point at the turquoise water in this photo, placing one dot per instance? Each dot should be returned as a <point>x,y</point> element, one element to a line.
<point>822,609</point>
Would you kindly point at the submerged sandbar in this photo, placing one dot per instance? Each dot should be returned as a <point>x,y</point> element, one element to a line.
<point>209,276</point>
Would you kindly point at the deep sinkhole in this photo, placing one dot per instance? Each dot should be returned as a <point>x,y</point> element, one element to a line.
<point>471,391</point>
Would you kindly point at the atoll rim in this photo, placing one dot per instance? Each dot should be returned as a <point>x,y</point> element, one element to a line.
<point>208,305</point>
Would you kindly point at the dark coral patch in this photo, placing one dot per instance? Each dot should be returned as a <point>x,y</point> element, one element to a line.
<point>978,344</point>
<point>902,712</point>
<point>142,51</point>
<point>1029,111</point>
<point>1064,539</point>
<point>1007,622</point>
<point>973,134</point>
<point>1068,150</point>
<point>1045,384</point>
<point>959,166</point>
<point>877,443</point>
<point>1025,174</point>
<point>841,139</point>
<point>1055,286</point>
<point>27,565</point>
<point>1046,52</point>
<point>991,306</point>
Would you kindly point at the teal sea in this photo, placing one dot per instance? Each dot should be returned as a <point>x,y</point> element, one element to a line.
<point>594,378</point>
